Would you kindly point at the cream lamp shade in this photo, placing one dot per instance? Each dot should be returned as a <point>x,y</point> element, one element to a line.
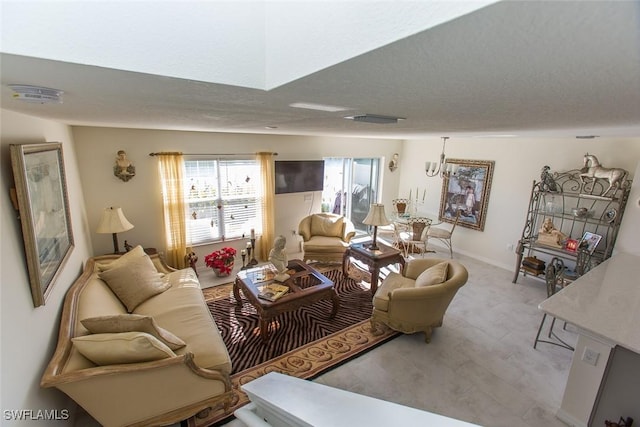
<point>113,221</point>
<point>376,217</point>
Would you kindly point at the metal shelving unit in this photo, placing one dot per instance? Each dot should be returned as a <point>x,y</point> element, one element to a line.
<point>575,204</point>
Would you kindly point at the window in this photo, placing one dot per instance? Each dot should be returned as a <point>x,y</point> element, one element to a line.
<point>351,185</point>
<point>222,198</point>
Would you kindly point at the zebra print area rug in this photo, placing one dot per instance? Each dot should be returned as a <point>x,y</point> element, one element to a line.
<point>304,343</point>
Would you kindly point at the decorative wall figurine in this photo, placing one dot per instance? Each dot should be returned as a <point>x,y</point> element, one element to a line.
<point>393,164</point>
<point>123,168</point>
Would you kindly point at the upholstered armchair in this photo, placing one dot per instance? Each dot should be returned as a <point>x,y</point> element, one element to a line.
<point>416,300</point>
<point>325,236</point>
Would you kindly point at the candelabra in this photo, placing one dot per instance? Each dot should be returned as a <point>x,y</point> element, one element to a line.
<point>243,254</point>
<point>252,255</point>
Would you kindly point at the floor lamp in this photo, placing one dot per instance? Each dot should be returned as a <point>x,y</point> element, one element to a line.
<point>376,217</point>
<point>114,222</point>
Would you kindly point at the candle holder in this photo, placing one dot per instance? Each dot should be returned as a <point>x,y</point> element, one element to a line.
<point>244,257</point>
<point>253,261</point>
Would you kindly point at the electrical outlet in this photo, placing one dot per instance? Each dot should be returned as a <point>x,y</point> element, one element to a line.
<point>510,247</point>
<point>590,356</point>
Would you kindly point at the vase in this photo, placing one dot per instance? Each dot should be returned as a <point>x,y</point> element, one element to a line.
<point>219,273</point>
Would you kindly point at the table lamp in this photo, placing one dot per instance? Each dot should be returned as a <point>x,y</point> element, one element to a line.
<point>113,221</point>
<point>376,217</point>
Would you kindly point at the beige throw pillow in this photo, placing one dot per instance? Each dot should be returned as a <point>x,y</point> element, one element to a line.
<point>134,253</point>
<point>433,275</point>
<point>126,347</point>
<point>135,282</point>
<point>326,226</point>
<point>132,323</point>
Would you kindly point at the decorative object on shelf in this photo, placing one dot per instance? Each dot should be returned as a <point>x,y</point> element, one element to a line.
<point>221,261</point>
<point>443,168</point>
<point>113,222</point>
<point>123,168</point>
<point>549,235</point>
<point>610,215</point>
<point>571,245</point>
<point>393,164</point>
<point>594,170</point>
<point>278,257</point>
<point>547,183</point>
<point>468,191</point>
<point>581,212</point>
<point>533,265</point>
<point>376,217</point>
<point>43,205</point>
<point>590,241</point>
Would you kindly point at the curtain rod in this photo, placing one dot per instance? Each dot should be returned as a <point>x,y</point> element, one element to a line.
<point>206,154</point>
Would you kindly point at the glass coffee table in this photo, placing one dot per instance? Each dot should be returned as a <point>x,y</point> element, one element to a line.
<point>306,286</point>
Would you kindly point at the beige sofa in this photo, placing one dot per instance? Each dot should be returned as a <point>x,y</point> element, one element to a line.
<point>132,377</point>
<point>325,236</point>
<point>416,300</point>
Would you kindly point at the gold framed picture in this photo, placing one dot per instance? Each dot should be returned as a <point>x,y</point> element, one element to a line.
<point>41,192</point>
<point>467,190</point>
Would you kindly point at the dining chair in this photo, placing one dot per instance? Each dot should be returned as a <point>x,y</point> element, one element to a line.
<point>415,237</point>
<point>554,277</point>
<point>400,206</point>
<point>443,234</point>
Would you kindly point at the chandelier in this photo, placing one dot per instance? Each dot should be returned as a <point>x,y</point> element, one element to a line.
<point>442,168</point>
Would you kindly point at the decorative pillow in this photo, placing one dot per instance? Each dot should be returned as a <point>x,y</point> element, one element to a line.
<point>326,226</point>
<point>132,323</point>
<point>135,282</point>
<point>125,347</point>
<point>134,253</point>
<point>433,275</point>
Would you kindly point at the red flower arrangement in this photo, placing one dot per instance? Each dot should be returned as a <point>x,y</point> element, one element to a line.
<point>221,260</point>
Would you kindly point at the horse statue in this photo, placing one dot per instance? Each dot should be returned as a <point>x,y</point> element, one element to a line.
<point>593,169</point>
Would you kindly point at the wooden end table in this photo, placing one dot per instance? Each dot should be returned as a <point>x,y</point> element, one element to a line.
<point>306,286</point>
<point>374,260</point>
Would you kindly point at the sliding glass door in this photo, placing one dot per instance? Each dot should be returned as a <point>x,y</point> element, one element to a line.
<point>351,185</point>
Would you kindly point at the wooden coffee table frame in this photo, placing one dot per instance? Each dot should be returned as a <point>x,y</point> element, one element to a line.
<point>374,260</point>
<point>298,296</point>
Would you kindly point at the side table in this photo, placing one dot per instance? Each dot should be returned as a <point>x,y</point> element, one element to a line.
<point>374,260</point>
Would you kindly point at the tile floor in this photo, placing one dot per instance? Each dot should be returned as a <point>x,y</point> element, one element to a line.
<point>480,366</point>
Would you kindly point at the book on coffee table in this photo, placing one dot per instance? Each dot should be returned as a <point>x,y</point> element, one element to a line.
<point>272,291</point>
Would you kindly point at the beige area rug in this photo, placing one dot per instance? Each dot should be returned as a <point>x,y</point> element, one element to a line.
<point>307,361</point>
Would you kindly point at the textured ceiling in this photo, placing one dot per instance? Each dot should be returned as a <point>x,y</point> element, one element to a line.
<point>525,68</point>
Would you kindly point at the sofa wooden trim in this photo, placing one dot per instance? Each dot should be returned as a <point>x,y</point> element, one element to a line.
<point>54,376</point>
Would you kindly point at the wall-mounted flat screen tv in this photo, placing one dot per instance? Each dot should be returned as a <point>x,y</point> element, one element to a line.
<point>297,176</point>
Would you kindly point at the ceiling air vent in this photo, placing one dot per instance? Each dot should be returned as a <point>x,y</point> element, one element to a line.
<point>374,118</point>
<point>41,95</point>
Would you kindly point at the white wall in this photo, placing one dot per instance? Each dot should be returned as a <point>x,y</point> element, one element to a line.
<point>628,240</point>
<point>29,334</point>
<point>140,197</point>
<point>518,162</point>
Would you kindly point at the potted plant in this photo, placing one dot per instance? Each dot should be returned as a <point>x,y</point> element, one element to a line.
<point>221,261</point>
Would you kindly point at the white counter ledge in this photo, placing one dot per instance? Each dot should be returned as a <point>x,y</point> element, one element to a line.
<point>605,302</point>
<point>604,305</point>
